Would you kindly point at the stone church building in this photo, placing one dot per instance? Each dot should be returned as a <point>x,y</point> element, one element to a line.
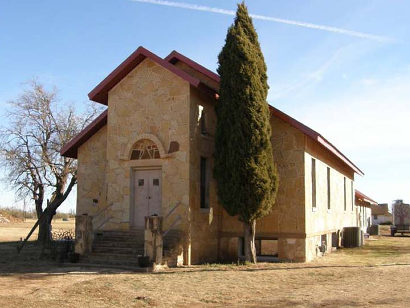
<point>151,153</point>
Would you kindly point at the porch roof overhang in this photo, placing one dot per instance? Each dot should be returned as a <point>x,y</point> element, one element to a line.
<point>363,200</point>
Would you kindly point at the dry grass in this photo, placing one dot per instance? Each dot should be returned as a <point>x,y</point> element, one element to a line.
<point>373,276</point>
<point>10,232</point>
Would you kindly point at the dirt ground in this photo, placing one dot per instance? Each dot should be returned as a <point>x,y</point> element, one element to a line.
<point>375,275</point>
<point>13,231</point>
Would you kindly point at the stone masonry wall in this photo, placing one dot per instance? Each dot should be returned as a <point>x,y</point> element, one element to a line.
<point>205,223</point>
<point>92,162</point>
<point>150,102</point>
<point>153,103</point>
<point>287,221</point>
<point>321,220</point>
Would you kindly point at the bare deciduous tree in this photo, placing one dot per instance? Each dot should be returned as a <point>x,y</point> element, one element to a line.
<point>31,140</point>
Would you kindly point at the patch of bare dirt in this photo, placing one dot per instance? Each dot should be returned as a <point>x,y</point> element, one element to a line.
<point>372,276</point>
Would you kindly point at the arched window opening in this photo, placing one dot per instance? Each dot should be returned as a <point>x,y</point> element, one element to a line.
<point>144,149</point>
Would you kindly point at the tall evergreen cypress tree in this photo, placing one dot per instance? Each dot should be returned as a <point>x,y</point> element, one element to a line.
<point>244,167</point>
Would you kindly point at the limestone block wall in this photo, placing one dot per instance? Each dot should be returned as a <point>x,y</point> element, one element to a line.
<point>287,217</point>
<point>214,234</point>
<point>321,220</point>
<point>150,102</point>
<point>92,164</point>
<point>205,223</point>
<point>287,220</point>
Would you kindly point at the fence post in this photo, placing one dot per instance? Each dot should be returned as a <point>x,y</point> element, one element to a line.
<point>83,234</point>
<point>153,244</point>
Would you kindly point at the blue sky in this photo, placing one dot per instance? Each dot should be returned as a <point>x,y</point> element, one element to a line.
<point>353,90</point>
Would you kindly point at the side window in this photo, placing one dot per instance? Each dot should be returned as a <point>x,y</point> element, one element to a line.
<point>204,183</point>
<point>202,120</point>
<point>351,192</point>
<point>344,193</point>
<point>328,189</point>
<point>313,175</point>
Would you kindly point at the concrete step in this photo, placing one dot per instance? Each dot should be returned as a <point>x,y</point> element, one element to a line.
<point>115,256</point>
<point>118,237</point>
<point>118,243</point>
<point>119,250</point>
<point>112,259</point>
<point>120,233</point>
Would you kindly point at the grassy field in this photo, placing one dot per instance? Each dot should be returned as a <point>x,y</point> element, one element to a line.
<point>375,275</point>
<point>10,232</point>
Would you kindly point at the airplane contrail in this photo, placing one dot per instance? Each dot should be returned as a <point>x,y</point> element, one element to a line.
<point>196,7</point>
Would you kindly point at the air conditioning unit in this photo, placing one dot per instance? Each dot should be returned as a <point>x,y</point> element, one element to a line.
<point>322,248</point>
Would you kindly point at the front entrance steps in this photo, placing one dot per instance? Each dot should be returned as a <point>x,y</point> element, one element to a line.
<point>118,249</point>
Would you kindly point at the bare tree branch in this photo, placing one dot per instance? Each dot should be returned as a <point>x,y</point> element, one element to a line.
<point>37,129</point>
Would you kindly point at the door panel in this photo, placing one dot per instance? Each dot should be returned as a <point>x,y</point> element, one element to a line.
<point>147,195</point>
<point>154,199</point>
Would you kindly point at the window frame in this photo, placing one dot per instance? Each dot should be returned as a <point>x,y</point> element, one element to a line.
<point>204,183</point>
<point>352,194</point>
<point>344,194</point>
<point>313,183</point>
<point>329,200</point>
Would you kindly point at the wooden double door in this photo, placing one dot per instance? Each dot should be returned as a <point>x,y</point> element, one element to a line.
<point>147,195</point>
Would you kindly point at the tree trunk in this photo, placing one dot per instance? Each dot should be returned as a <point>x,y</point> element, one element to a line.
<point>39,211</point>
<point>249,241</point>
<point>44,230</point>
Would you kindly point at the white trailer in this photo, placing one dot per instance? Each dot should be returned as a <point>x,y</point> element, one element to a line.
<point>401,218</point>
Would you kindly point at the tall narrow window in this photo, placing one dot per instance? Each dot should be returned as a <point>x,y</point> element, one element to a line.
<point>344,193</point>
<point>313,183</point>
<point>203,124</point>
<point>204,184</point>
<point>202,120</point>
<point>352,195</point>
<point>328,188</point>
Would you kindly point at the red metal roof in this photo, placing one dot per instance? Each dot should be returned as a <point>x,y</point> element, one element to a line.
<point>361,196</point>
<point>175,56</point>
<point>71,148</point>
<point>100,94</point>
<point>315,136</point>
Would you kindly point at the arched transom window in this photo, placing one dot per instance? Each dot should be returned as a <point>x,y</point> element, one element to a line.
<point>144,149</point>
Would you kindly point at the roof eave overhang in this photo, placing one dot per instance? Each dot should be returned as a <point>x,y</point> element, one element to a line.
<point>363,198</point>
<point>175,56</point>
<point>100,93</point>
<point>336,152</point>
<point>316,137</point>
<point>71,148</point>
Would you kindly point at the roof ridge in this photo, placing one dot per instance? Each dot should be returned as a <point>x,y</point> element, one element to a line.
<point>175,55</point>
<point>100,92</point>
